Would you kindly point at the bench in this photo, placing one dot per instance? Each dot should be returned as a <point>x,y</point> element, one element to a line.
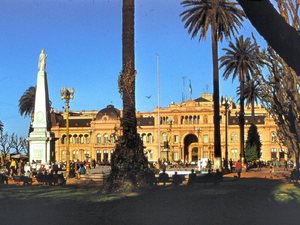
<point>24,179</point>
<point>295,176</point>
<point>3,179</point>
<point>51,179</point>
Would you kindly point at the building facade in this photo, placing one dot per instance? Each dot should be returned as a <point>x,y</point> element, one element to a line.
<point>180,132</point>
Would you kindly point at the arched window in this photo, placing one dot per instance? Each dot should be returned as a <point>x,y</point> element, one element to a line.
<point>112,138</point>
<point>273,137</point>
<point>164,137</point>
<point>81,141</point>
<point>149,138</point>
<point>86,139</point>
<point>186,120</point>
<point>105,136</point>
<point>63,139</point>
<point>76,139</point>
<point>144,137</point>
<point>98,139</point>
<point>75,155</point>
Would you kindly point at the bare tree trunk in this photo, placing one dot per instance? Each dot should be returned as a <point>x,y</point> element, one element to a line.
<point>217,138</point>
<point>283,38</point>
<point>242,116</point>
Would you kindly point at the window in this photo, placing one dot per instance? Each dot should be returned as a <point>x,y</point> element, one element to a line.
<point>234,138</point>
<point>75,155</point>
<point>63,156</point>
<point>76,139</point>
<point>273,137</point>
<point>205,138</point>
<point>81,139</point>
<point>63,139</point>
<point>176,139</point>
<point>105,139</point>
<point>112,138</point>
<point>274,153</point>
<point>164,137</point>
<point>234,154</point>
<point>98,139</point>
<point>149,138</point>
<point>144,137</point>
<point>150,154</point>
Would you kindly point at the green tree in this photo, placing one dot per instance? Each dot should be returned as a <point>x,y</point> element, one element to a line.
<point>253,144</point>
<point>26,102</point>
<point>240,60</point>
<point>224,18</point>
<point>129,166</point>
<point>251,94</point>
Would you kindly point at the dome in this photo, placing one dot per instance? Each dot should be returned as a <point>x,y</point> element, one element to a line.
<point>110,113</point>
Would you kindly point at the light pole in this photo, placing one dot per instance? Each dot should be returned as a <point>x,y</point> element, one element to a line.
<point>226,103</point>
<point>198,129</point>
<point>67,94</point>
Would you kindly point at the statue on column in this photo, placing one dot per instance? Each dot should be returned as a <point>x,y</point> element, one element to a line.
<point>42,61</point>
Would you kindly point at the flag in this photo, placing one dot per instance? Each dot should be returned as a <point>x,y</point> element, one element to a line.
<point>190,89</point>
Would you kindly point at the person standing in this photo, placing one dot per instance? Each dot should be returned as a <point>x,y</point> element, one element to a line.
<point>238,168</point>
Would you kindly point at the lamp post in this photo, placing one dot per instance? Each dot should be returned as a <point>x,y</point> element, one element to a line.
<point>226,103</point>
<point>198,129</point>
<point>67,94</point>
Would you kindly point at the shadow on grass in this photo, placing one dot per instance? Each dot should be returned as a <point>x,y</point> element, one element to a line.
<point>228,202</point>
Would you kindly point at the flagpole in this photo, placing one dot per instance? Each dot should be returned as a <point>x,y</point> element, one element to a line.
<point>158,105</point>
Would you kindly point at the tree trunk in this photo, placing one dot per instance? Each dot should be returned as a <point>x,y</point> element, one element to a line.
<point>253,110</point>
<point>217,138</point>
<point>242,116</point>
<point>128,70</point>
<point>283,38</point>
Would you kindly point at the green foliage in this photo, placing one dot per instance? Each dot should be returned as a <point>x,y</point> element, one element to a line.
<point>251,153</point>
<point>253,144</point>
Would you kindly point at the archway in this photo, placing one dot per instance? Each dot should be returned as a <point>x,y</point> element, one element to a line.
<point>188,140</point>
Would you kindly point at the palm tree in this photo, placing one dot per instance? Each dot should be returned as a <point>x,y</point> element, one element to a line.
<point>26,102</point>
<point>129,166</point>
<point>224,18</point>
<point>240,60</point>
<point>251,95</point>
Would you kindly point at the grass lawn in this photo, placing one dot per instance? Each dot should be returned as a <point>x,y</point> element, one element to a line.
<point>246,201</point>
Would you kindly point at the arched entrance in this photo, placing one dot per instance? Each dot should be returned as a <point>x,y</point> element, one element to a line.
<point>188,140</point>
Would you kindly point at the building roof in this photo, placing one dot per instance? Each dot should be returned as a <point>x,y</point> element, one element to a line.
<point>110,111</point>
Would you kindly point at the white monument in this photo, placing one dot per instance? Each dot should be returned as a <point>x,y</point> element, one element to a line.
<point>39,139</point>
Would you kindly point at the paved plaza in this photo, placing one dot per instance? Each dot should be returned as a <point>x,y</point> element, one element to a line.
<point>254,199</point>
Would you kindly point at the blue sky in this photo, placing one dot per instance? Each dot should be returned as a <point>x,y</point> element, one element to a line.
<point>82,39</point>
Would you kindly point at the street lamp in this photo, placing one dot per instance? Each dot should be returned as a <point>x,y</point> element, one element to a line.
<point>226,103</point>
<point>67,94</point>
<point>198,129</point>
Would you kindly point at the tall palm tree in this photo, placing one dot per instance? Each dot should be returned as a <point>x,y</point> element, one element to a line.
<point>251,95</point>
<point>129,166</point>
<point>26,102</point>
<point>224,18</point>
<point>241,60</point>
